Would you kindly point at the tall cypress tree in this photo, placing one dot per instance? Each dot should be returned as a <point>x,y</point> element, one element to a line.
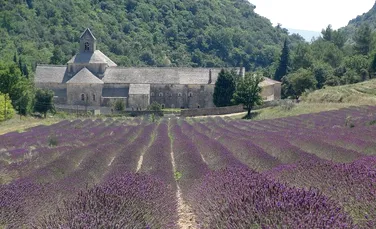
<point>224,89</point>
<point>282,69</point>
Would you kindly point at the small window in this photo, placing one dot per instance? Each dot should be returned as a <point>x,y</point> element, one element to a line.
<point>152,94</point>
<point>82,97</point>
<point>87,46</point>
<point>198,106</point>
<point>179,94</point>
<point>160,94</point>
<point>163,106</point>
<point>93,97</point>
<point>190,94</point>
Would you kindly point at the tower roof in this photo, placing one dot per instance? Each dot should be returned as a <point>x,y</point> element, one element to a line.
<point>92,58</point>
<point>85,77</point>
<point>88,31</point>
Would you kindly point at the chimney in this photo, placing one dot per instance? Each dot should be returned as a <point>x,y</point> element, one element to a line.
<point>210,76</point>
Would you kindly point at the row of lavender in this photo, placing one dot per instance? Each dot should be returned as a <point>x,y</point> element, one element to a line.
<point>105,160</point>
<point>218,165</point>
<point>307,157</point>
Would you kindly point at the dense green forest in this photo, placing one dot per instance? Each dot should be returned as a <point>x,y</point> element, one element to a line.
<point>204,33</point>
<point>142,32</point>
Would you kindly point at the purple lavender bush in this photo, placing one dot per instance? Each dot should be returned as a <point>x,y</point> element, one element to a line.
<point>128,201</point>
<point>241,198</point>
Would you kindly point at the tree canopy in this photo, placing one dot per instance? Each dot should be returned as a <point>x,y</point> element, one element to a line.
<point>224,88</point>
<point>206,33</point>
<point>44,101</point>
<point>248,92</point>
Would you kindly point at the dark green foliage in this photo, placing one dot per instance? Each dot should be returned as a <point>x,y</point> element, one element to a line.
<point>301,81</point>
<point>322,72</point>
<point>203,33</point>
<point>283,65</point>
<point>119,105</point>
<point>363,40</point>
<point>19,88</point>
<point>44,101</point>
<point>248,92</point>
<point>224,89</point>
<point>155,106</point>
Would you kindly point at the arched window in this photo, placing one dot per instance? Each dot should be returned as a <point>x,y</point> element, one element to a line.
<point>163,106</point>
<point>179,94</point>
<point>152,94</point>
<point>82,97</point>
<point>160,94</point>
<point>87,46</point>
<point>93,97</point>
<point>190,94</point>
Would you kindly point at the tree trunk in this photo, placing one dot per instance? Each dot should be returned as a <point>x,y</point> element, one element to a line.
<point>249,113</point>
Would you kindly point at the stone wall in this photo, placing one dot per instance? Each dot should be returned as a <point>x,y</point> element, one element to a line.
<point>212,111</point>
<point>92,94</point>
<point>182,96</point>
<point>138,102</point>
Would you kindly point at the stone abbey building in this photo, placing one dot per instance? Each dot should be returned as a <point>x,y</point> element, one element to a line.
<point>91,78</point>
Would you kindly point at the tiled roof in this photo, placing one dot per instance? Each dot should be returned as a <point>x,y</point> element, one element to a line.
<point>115,92</point>
<point>85,77</point>
<point>149,75</point>
<point>90,33</point>
<point>50,74</point>
<point>139,89</point>
<point>94,58</point>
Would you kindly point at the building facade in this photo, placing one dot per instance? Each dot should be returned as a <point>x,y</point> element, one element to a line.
<point>91,78</point>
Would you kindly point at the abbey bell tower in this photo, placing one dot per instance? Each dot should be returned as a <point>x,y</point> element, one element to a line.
<point>88,43</point>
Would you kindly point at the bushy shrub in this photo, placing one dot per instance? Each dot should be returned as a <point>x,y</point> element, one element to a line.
<point>119,105</point>
<point>287,105</point>
<point>155,106</point>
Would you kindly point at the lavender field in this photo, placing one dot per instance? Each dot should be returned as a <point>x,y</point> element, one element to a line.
<point>309,171</point>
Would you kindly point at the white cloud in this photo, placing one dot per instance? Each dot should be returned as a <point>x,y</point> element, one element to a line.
<point>311,14</point>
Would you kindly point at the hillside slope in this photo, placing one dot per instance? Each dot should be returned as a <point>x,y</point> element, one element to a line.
<point>368,18</point>
<point>141,33</point>
<point>363,93</point>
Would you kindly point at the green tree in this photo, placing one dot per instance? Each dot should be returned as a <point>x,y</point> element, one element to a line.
<point>363,40</point>
<point>301,81</point>
<point>44,101</point>
<point>6,108</point>
<point>302,56</point>
<point>224,89</point>
<point>283,65</point>
<point>248,92</point>
<point>57,56</point>
<point>321,72</point>
<point>327,34</point>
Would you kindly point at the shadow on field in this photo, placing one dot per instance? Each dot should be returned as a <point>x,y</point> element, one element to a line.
<point>254,114</point>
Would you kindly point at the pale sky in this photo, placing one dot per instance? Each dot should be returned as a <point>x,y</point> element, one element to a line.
<point>311,14</point>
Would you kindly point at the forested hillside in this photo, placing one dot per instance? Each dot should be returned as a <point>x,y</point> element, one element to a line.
<point>368,18</point>
<point>142,32</point>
